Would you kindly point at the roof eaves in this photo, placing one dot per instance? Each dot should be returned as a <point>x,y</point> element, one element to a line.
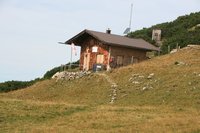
<point>79,34</point>
<point>120,45</point>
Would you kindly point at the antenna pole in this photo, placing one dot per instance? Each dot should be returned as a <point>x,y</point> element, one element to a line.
<point>131,15</point>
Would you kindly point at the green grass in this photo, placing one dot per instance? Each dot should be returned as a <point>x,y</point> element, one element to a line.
<point>171,102</point>
<point>88,90</point>
<point>171,85</point>
<point>18,114</point>
<point>30,116</point>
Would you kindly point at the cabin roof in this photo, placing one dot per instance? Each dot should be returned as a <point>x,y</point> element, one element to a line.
<point>114,40</point>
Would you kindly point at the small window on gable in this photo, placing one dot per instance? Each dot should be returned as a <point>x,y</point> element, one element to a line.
<point>100,59</point>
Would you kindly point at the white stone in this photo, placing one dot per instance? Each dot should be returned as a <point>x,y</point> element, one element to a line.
<point>114,85</point>
<point>150,76</point>
<point>144,88</point>
<point>135,75</point>
<point>140,76</point>
<point>130,79</point>
<point>136,82</point>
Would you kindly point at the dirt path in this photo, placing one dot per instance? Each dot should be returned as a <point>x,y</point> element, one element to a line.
<point>113,94</point>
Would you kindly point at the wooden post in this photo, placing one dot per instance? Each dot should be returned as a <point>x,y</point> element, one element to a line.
<point>168,48</point>
<point>177,47</point>
<point>70,66</point>
<point>109,54</point>
<point>132,59</point>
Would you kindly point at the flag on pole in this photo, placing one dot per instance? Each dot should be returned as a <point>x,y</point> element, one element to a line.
<point>74,51</point>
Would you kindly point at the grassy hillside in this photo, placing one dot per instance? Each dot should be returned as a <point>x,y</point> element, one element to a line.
<point>158,95</point>
<point>184,30</point>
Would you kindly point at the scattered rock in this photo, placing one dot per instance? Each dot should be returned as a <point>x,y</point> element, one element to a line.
<point>130,79</point>
<point>196,74</point>
<point>179,63</point>
<point>114,86</point>
<point>114,92</point>
<point>70,75</point>
<point>140,79</point>
<point>136,82</point>
<point>193,46</point>
<point>173,51</point>
<point>151,87</point>
<point>112,101</point>
<point>135,75</point>
<point>150,76</point>
<point>144,88</point>
<point>140,76</point>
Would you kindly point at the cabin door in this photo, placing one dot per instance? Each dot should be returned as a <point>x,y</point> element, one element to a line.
<point>86,62</point>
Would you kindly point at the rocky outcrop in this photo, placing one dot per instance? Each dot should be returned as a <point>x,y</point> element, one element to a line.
<point>70,75</point>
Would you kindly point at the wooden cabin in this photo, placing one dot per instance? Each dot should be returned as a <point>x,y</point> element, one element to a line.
<point>108,51</point>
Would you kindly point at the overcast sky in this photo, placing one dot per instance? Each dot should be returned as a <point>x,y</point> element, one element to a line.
<point>30,29</point>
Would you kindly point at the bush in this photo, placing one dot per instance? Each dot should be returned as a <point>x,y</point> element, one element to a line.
<point>14,85</point>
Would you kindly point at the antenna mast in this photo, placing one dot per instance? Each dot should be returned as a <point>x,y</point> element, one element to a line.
<point>129,28</point>
<point>131,15</point>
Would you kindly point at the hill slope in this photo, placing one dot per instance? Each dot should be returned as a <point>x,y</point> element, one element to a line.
<point>170,83</point>
<point>184,30</point>
<point>161,94</point>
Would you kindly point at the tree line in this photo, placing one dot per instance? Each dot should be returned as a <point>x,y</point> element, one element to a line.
<point>14,85</point>
<point>182,31</point>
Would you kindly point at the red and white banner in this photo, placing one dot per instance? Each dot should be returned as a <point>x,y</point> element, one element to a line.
<point>73,48</point>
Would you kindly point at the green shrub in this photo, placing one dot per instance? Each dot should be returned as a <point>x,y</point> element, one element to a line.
<point>14,85</point>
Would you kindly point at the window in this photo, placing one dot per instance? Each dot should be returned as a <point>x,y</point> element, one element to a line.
<point>95,49</point>
<point>134,60</point>
<point>156,34</point>
<point>100,59</point>
<point>120,60</point>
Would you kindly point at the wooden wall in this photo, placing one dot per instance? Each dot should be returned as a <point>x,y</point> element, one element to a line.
<point>87,46</point>
<point>129,55</point>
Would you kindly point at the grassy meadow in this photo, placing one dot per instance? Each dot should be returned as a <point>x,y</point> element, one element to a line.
<point>167,101</point>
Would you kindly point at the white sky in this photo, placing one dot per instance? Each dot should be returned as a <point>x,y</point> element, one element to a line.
<point>30,29</point>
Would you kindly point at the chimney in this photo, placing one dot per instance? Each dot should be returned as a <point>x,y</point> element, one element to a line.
<point>108,31</point>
